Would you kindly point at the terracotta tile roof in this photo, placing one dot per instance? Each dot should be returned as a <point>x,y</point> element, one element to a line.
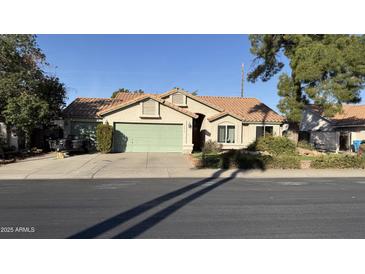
<point>125,96</point>
<point>88,108</point>
<point>191,114</point>
<point>351,114</point>
<point>128,100</point>
<point>142,97</point>
<point>197,98</point>
<point>248,109</point>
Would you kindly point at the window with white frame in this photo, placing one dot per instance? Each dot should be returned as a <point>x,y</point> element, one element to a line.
<point>226,134</point>
<point>150,108</point>
<point>262,131</point>
<point>179,99</point>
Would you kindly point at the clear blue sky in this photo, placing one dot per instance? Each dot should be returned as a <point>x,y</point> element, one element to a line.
<point>97,65</point>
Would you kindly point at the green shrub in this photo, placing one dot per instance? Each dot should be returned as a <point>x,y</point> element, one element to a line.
<point>104,137</point>
<point>304,144</point>
<point>211,160</point>
<point>238,159</point>
<point>252,146</point>
<point>212,147</point>
<point>338,161</point>
<point>224,160</point>
<point>283,162</point>
<point>248,161</point>
<point>276,145</point>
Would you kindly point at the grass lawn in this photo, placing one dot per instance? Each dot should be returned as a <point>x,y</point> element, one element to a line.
<point>197,154</point>
<point>307,157</point>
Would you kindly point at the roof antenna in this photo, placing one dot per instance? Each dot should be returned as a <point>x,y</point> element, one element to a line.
<point>243,79</point>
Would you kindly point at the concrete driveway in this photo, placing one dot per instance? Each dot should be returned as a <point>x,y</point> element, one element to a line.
<point>117,165</point>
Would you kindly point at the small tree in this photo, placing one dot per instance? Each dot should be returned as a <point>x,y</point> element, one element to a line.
<point>26,112</point>
<point>325,69</point>
<point>104,137</point>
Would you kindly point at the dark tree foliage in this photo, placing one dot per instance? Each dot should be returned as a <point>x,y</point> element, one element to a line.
<point>27,93</point>
<point>126,91</point>
<point>327,70</point>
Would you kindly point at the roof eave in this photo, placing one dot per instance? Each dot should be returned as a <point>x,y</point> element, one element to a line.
<point>223,114</point>
<point>116,108</point>
<point>191,96</point>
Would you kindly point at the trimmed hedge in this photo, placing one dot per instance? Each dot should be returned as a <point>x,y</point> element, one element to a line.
<point>211,160</point>
<point>274,145</point>
<point>338,161</point>
<point>237,159</point>
<point>104,137</point>
<point>283,162</point>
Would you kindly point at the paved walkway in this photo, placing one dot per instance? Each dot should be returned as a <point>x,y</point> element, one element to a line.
<point>144,165</point>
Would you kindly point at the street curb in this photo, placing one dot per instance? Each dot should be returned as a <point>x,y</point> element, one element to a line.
<point>169,173</point>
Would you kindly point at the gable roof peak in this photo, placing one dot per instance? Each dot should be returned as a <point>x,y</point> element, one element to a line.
<point>143,97</point>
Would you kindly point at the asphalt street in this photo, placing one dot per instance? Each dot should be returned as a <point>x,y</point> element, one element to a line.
<point>183,208</point>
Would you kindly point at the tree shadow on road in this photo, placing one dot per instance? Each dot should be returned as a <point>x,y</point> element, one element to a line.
<point>139,228</point>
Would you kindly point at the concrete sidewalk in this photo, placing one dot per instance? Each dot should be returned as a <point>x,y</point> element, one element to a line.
<point>145,165</point>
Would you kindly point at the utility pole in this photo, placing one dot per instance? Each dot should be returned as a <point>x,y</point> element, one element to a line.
<point>243,79</point>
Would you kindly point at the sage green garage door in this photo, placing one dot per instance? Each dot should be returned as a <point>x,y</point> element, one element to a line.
<point>147,137</point>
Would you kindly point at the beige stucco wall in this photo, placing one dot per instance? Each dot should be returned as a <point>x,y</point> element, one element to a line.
<point>228,120</point>
<point>132,114</point>
<point>249,132</point>
<point>245,133</point>
<point>197,107</point>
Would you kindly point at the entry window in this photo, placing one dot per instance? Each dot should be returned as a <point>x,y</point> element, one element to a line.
<point>226,134</point>
<point>264,131</point>
<point>179,99</point>
<point>149,108</point>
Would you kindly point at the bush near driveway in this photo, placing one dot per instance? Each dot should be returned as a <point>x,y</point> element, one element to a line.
<point>104,137</point>
<point>338,161</point>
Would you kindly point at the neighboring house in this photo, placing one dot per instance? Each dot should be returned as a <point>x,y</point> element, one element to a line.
<point>336,133</point>
<point>8,135</point>
<point>175,121</point>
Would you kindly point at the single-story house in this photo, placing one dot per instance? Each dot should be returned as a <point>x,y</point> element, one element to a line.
<point>336,133</point>
<point>174,121</point>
